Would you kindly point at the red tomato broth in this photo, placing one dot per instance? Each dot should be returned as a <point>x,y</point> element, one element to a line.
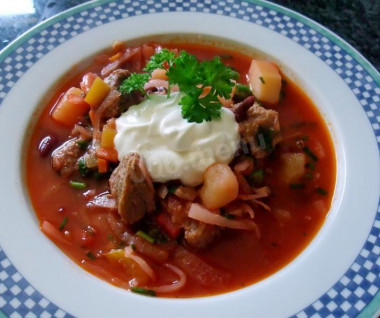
<point>245,257</point>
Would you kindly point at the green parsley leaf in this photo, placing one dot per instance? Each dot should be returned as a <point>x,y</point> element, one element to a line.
<point>185,72</point>
<point>158,60</point>
<point>135,82</point>
<point>218,76</point>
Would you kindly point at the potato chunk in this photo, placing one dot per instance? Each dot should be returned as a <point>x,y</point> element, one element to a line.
<point>265,81</point>
<point>293,166</point>
<point>220,186</point>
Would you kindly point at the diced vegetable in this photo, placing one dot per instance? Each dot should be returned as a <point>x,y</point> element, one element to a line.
<point>98,91</point>
<point>293,166</point>
<point>265,81</point>
<point>172,229</point>
<point>109,154</point>
<point>102,165</point>
<point>108,135</point>
<point>220,186</point>
<point>153,251</point>
<point>132,267</point>
<point>70,107</point>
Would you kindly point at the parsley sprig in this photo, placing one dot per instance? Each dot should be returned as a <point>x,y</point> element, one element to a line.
<point>192,77</point>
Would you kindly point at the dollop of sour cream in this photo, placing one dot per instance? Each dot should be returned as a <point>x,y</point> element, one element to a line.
<point>172,147</point>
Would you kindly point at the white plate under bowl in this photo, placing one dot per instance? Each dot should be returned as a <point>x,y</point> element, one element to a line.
<point>337,274</point>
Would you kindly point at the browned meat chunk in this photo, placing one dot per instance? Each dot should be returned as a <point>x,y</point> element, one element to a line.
<point>261,130</point>
<point>110,107</point>
<point>131,189</point>
<point>199,235</point>
<point>116,77</point>
<point>65,157</point>
<point>240,109</point>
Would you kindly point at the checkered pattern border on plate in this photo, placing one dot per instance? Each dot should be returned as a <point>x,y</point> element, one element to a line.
<point>361,282</point>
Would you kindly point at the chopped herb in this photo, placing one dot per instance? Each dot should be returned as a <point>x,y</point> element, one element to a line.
<point>228,216</point>
<point>63,224</point>
<point>111,238</point>
<point>120,244</point>
<point>309,175</point>
<point>262,80</point>
<point>297,185</point>
<point>282,95</point>
<point>145,236</point>
<point>265,138</point>
<point>191,76</point>
<point>91,256</point>
<point>284,82</point>
<point>83,144</point>
<point>172,189</point>
<point>242,92</point>
<point>257,176</point>
<point>143,291</point>
<point>77,184</point>
<point>134,83</point>
<point>133,246</point>
<point>159,60</point>
<point>83,170</point>
<point>321,191</point>
<point>305,138</point>
<point>310,165</point>
<point>310,153</point>
<point>158,236</point>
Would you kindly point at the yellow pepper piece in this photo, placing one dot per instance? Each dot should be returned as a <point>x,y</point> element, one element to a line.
<point>108,135</point>
<point>98,91</point>
<point>115,255</point>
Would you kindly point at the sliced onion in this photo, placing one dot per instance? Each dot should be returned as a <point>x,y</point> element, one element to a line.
<point>251,197</point>
<point>197,212</point>
<point>176,285</point>
<point>264,191</point>
<point>153,83</point>
<point>51,231</point>
<point>128,252</point>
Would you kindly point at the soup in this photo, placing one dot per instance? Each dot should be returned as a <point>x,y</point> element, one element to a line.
<point>180,170</point>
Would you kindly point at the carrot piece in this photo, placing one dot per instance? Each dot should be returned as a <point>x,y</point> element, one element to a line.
<point>102,165</point>
<point>98,91</point>
<point>111,123</point>
<point>70,107</point>
<point>109,154</point>
<point>92,116</point>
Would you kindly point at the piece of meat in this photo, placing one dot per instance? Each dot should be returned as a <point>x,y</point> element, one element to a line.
<point>240,109</point>
<point>110,107</point>
<point>261,130</point>
<point>65,157</point>
<point>199,235</point>
<point>131,189</point>
<point>116,77</point>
